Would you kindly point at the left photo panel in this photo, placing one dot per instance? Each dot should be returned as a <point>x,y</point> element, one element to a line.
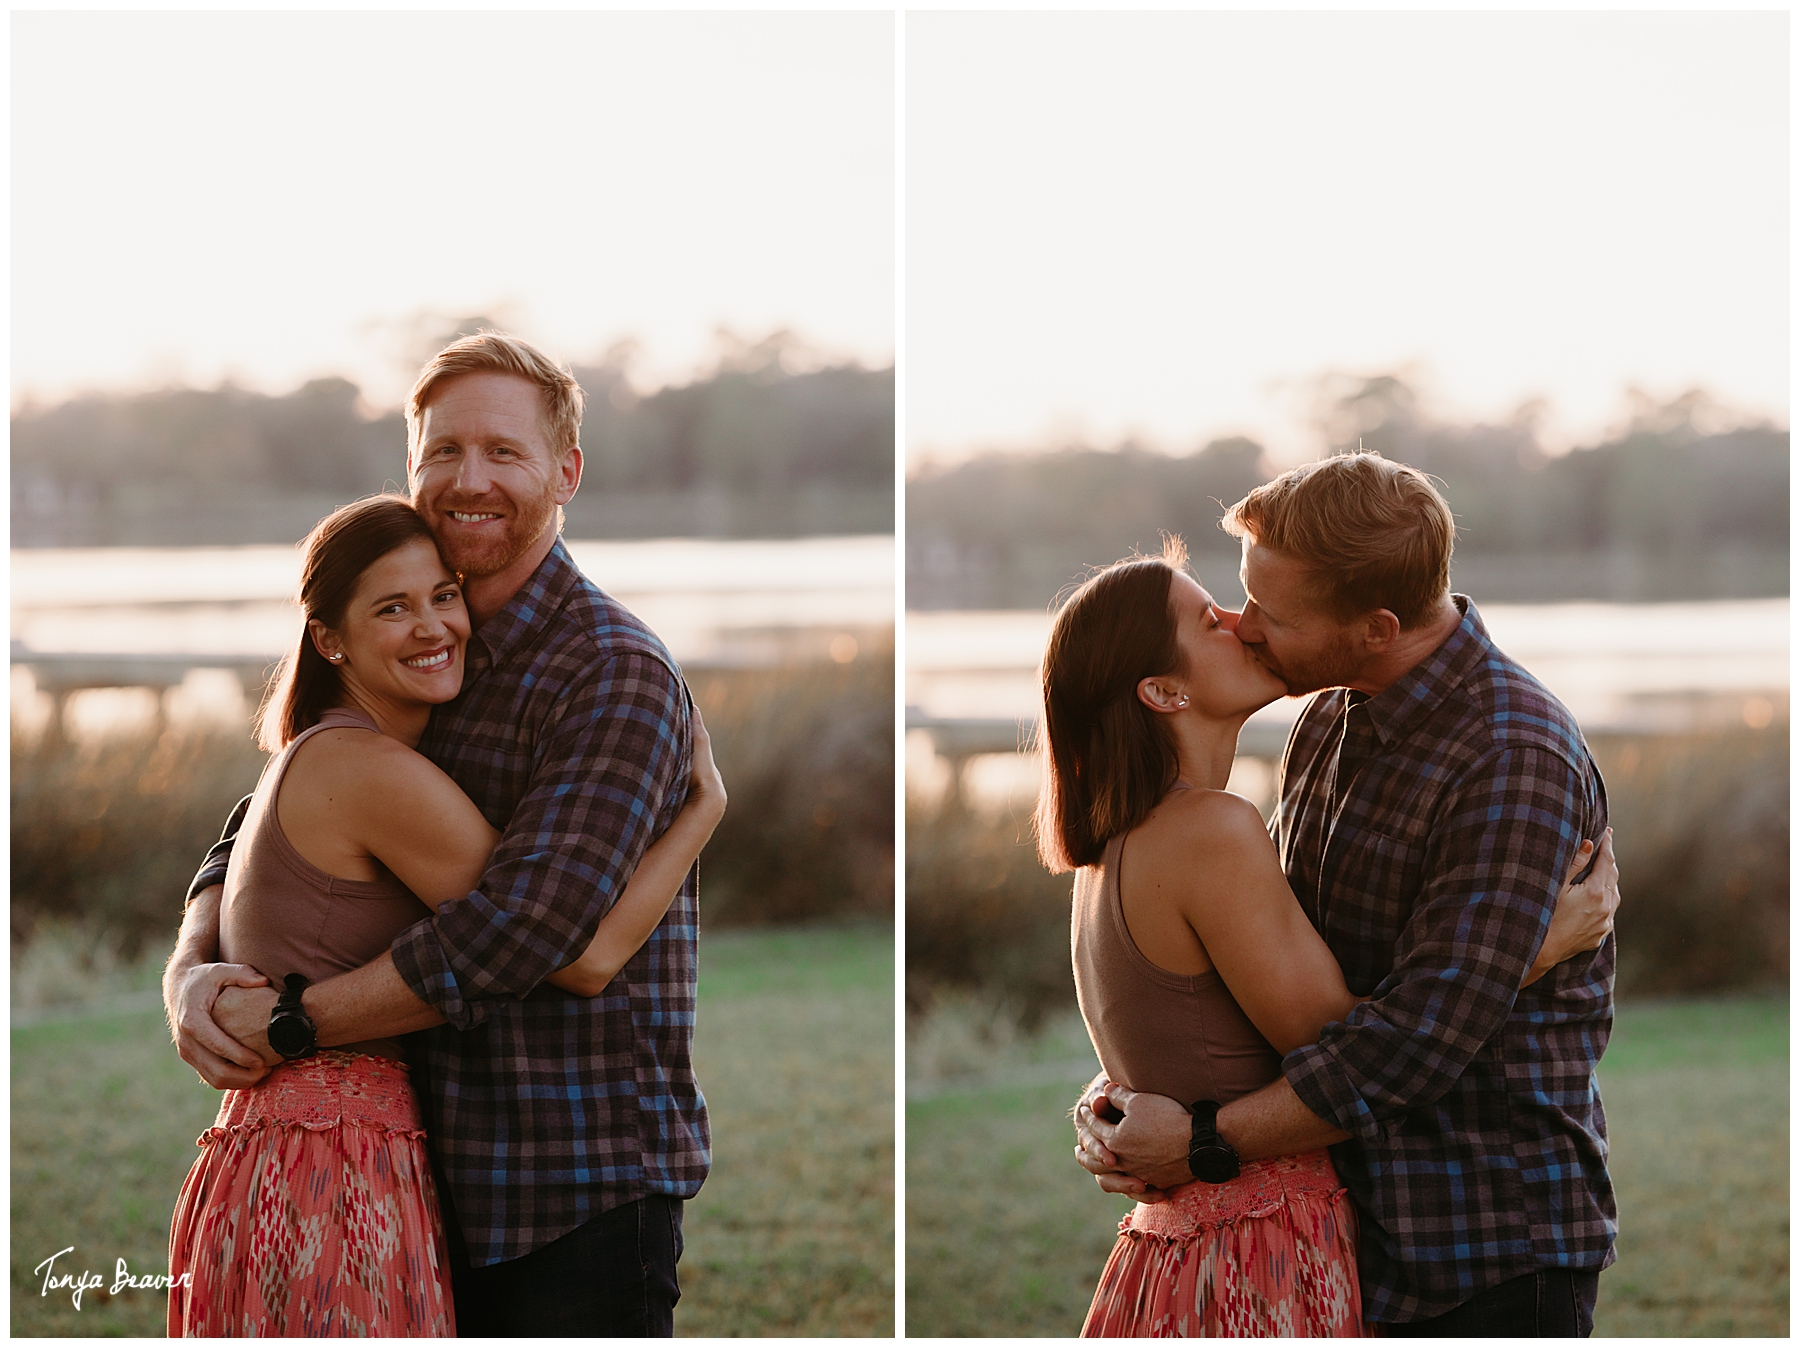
<point>452,735</point>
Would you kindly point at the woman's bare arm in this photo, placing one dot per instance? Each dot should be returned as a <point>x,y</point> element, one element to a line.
<point>1215,859</point>
<point>1275,963</point>
<point>409,815</point>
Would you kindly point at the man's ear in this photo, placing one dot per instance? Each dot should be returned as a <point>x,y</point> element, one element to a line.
<point>1381,629</point>
<point>568,475</point>
<point>1161,695</point>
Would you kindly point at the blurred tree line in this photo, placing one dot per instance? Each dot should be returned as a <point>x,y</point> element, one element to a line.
<point>754,448</point>
<point>1684,504</point>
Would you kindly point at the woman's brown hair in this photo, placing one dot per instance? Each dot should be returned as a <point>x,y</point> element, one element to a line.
<point>1106,761</point>
<point>340,548</point>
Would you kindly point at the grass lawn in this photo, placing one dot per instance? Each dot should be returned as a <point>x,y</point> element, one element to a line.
<point>1006,1236</point>
<point>792,1234</point>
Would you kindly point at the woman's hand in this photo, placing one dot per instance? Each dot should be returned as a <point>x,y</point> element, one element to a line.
<point>706,789</point>
<point>1584,912</point>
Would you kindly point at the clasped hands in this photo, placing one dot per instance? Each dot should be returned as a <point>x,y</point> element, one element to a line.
<point>1132,1142</point>
<point>219,1016</point>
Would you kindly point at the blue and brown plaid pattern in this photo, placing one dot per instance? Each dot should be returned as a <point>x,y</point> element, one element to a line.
<point>572,736</point>
<point>1426,831</point>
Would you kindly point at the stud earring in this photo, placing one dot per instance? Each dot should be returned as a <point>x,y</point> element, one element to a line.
<point>1182,701</point>
<point>336,659</point>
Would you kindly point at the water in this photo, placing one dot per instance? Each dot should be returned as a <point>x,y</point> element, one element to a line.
<point>1616,666</point>
<point>715,602</point>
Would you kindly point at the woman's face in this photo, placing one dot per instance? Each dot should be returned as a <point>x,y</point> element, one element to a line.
<point>404,630</point>
<point>1221,676</point>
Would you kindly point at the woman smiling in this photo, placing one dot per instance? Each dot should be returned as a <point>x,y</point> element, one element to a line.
<point>312,1209</point>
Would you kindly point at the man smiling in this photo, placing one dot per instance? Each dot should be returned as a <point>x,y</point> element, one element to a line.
<point>1431,798</point>
<point>567,1131</point>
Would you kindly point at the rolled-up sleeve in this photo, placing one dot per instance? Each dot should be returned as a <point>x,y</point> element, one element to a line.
<point>1493,870</point>
<point>218,857</point>
<point>612,758</point>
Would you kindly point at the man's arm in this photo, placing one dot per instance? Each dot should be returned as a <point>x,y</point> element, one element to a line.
<point>193,981</point>
<point>1494,870</point>
<point>1145,1152</point>
<point>367,1003</point>
<point>192,985</point>
<point>614,754</point>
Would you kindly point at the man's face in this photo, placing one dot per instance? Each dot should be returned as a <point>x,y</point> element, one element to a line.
<point>485,475</point>
<point>1305,648</point>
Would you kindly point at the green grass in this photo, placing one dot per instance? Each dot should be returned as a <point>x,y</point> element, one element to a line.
<point>792,1233</point>
<point>1006,1236</point>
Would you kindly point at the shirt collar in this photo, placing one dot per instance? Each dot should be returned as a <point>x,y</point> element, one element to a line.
<point>1395,709</point>
<point>531,607</point>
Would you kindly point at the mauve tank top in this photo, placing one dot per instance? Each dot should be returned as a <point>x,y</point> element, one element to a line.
<point>1180,1035</point>
<point>283,915</point>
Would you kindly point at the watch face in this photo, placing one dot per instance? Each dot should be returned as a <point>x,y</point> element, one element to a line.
<point>1215,1165</point>
<point>289,1035</point>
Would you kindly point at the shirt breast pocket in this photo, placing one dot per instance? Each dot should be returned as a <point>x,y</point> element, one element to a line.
<point>1379,872</point>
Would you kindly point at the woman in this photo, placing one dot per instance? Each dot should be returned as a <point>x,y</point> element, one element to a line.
<point>311,1210</point>
<point>1195,943</point>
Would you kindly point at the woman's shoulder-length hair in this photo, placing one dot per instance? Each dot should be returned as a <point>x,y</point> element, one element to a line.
<point>1105,760</point>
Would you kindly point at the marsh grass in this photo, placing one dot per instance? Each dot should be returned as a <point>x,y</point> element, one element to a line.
<point>1006,1236</point>
<point>107,832</point>
<point>1700,826</point>
<point>792,1234</point>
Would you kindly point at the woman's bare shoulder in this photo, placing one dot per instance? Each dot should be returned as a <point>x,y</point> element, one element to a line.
<point>1204,840</point>
<point>366,767</point>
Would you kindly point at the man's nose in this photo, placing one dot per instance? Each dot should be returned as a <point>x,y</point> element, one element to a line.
<point>471,474</point>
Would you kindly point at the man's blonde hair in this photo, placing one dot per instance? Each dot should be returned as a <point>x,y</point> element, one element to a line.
<point>499,353</point>
<point>1373,534</point>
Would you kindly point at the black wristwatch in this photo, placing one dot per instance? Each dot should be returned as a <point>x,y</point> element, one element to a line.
<point>1210,1157</point>
<point>291,1032</point>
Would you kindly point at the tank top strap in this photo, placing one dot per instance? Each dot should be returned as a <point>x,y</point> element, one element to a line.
<point>333,718</point>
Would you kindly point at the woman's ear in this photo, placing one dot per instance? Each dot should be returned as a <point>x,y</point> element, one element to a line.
<point>325,641</point>
<point>1161,695</point>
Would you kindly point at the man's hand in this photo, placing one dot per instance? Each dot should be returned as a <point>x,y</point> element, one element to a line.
<point>192,983</point>
<point>190,995</point>
<point>1583,918</point>
<point>1132,1142</point>
<point>243,1013</point>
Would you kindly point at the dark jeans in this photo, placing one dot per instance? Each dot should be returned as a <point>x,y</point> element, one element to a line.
<point>611,1277</point>
<point>1553,1303</point>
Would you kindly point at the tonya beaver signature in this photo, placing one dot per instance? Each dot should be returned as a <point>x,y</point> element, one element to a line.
<point>86,1281</point>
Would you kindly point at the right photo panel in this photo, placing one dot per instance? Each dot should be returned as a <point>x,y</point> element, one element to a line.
<point>1346,674</point>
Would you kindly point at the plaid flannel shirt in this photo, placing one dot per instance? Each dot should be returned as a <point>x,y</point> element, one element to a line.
<point>1426,831</point>
<point>572,736</point>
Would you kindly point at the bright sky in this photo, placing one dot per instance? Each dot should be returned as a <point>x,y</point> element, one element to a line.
<point>275,196</point>
<point>1171,224</point>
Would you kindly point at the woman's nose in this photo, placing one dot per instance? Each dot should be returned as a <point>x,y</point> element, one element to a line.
<point>1227,619</point>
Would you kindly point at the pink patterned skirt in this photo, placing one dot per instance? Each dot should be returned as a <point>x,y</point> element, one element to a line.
<point>1270,1254</point>
<point>311,1211</point>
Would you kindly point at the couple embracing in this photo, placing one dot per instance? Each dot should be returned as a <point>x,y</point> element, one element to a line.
<point>1350,1075</point>
<point>443,961</point>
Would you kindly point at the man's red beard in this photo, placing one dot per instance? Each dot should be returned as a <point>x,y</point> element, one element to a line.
<point>1330,668</point>
<point>519,527</point>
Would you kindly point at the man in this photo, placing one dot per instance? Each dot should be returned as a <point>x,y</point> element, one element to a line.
<point>1431,799</point>
<point>566,1132</point>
